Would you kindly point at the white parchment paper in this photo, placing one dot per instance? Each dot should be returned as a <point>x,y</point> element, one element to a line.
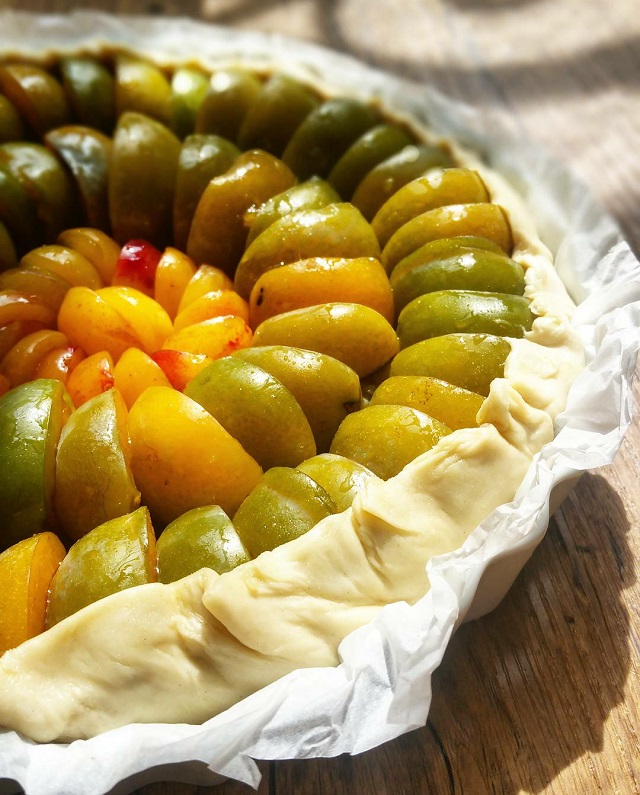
<point>382,688</point>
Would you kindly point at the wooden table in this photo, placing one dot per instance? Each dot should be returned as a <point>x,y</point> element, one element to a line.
<point>543,695</point>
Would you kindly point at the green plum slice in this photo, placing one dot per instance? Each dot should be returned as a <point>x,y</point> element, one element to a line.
<point>18,213</point>
<point>86,152</point>
<point>354,334</point>
<point>387,177</point>
<point>8,254</point>
<point>452,405</point>
<point>256,409</point>
<point>326,134</point>
<point>230,95</point>
<point>310,195</point>
<point>141,87</point>
<point>463,311</point>
<point>93,477</point>
<point>36,94</point>
<point>202,158</point>
<point>374,146</point>
<point>336,230</point>
<point>385,438</point>
<point>201,538</point>
<point>90,87</point>
<point>142,175</point>
<point>276,113</point>
<point>472,270</point>
<point>31,419</point>
<point>11,126</point>
<point>326,388</point>
<point>188,89</point>
<point>284,505</point>
<point>340,477</point>
<point>114,556</point>
<point>470,361</point>
<point>443,248</point>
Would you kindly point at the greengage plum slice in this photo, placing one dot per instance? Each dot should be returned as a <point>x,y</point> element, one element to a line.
<point>326,389</point>
<point>231,94</point>
<point>385,438</point>
<point>203,537</point>
<point>11,126</point>
<point>471,361</point>
<point>142,87</point>
<point>142,175</point>
<point>340,477</point>
<point>116,555</point>
<point>188,89</point>
<point>64,262</point>
<point>45,285</point>
<point>256,409</point>
<point>284,505</point>
<point>90,87</point>
<point>336,230</point>
<point>94,245</point>
<point>31,419</point>
<point>318,280</point>
<point>188,462</point>
<point>26,571</point>
<point>93,480</point>
<point>18,212</point>
<point>452,405</point>
<point>443,248</point>
<point>36,94</point>
<point>355,334</point>
<point>463,311</point>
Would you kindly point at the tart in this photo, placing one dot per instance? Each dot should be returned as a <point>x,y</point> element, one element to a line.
<point>441,298</point>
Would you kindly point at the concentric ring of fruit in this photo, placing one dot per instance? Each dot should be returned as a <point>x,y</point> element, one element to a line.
<point>201,277</point>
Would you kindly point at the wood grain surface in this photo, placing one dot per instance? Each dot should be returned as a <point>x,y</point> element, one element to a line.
<point>543,695</point>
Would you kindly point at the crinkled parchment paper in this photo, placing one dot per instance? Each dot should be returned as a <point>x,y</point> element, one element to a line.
<point>382,688</point>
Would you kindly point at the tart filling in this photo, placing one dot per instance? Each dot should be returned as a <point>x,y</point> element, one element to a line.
<point>184,651</point>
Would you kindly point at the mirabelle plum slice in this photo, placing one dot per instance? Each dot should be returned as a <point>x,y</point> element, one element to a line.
<point>214,304</point>
<point>309,195</point>
<point>202,537</point>
<point>36,94</point>
<point>231,93</point>
<point>452,405</point>
<point>93,477</point>
<point>31,418</point>
<point>284,505</point>
<point>142,87</point>
<point>206,279</point>
<point>91,91</point>
<point>86,152</point>
<point>60,363</point>
<point>254,407</point>
<point>116,555</point>
<point>20,363</point>
<point>137,265</point>
<point>91,377</point>
<point>95,246</point>
<point>142,175</point>
<point>18,306</point>
<point>482,218</point>
<point>318,280</point>
<point>202,158</point>
<point>326,389</point>
<point>180,367</point>
<point>218,231</point>
<point>470,361</point>
<point>356,335</point>
<point>374,146</point>
<point>435,189</point>
<point>188,89</point>
<point>463,311</point>
<point>91,323</point>
<point>326,134</point>
<point>148,321</point>
<point>340,477</point>
<point>134,372</point>
<point>188,462</point>
<point>64,262</point>
<point>385,438</point>
<point>26,571</point>
<point>11,126</point>
<point>387,177</point>
<point>276,113</point>
<point>46,285</point>
<point>337,230</point>
<point>214,338</point>
<point>173,273</point>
